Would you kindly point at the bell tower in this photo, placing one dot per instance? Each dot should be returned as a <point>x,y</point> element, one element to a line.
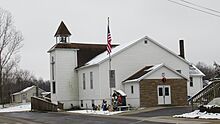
<point>62,34</point>
<point>63,78</point>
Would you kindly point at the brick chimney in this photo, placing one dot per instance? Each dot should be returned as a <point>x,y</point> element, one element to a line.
<point>182,53</point>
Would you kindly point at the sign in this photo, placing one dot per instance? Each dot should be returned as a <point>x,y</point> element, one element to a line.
<point>112,78</point>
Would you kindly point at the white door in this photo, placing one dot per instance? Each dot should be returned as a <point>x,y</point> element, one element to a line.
<point>164,94</point>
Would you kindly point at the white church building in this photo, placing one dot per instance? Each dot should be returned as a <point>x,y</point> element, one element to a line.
<point>147,72</point>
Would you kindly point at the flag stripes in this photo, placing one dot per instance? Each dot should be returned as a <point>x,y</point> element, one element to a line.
<point>109,39</point>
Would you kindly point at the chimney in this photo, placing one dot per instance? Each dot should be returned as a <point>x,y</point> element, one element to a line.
<point>182,54</point>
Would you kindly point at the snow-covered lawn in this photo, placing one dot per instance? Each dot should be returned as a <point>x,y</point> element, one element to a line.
<point>17,108</point>
<point>95,112</point>
<point>27,107</point>
<point>198,114</point>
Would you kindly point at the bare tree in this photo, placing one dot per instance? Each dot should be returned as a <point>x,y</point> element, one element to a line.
<point>217,70</point>
<point>10,44</point>
<point>208,70</point>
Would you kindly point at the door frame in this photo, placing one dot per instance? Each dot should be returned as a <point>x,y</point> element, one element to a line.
<point>164,99</point>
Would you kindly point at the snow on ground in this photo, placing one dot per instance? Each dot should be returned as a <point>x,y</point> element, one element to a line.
<point>17,108</point>
<point>210,116</point>
<point>198,114</point>
<point>95,112</point>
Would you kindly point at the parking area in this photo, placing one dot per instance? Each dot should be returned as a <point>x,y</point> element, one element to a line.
<point>164,111</point>
<point>164,114</point>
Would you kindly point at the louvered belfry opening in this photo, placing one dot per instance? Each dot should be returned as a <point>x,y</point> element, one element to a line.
<point>62,34</point>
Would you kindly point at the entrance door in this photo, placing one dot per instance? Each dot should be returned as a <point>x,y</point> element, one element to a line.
<point>163,93</point>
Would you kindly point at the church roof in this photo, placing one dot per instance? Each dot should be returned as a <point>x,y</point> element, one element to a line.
<point>86,51</point>
<point>147,70</point>
<point>194,71</point>
<point>140,73</point>
<point>117,50</point>
<point>62,30</point>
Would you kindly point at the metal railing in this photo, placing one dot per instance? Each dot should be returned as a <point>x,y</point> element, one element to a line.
<point>207,94</point>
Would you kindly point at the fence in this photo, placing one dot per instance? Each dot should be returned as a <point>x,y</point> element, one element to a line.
<point>38,104</point>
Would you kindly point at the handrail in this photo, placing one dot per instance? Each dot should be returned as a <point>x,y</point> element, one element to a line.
<point>207,93</point>
<point>205,88</point>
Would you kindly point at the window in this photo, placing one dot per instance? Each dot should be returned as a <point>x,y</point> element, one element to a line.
<point>63,39</point>
<point>54,86</point>
<point>81,103</point>
<point>91,80</point>
<point>179,71</point>
<point>160,91</point>
<point>167,91</point>
<point>145,41</point>
<point>52,67</point>
<point>84,81</point>
<point>191,82</point>
<point>93,103</point>
<point>132,89</point>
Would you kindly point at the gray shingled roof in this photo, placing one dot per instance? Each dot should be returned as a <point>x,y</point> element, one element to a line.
<point>194,71</point>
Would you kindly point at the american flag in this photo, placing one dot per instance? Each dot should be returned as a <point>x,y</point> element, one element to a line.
<point>109,39</point>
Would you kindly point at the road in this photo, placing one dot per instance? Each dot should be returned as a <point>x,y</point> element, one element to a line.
<point>158,116</point>
<point>9,120</point>
<point>64,118</point>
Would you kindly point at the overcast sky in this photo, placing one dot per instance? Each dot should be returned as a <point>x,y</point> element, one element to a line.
<point>161,20</point>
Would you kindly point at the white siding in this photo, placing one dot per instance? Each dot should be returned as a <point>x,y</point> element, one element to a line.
<point>26,96</point>
<point>17,98</point>
<point>135,58</point>
<point>104,79</point>
<point>133,99</point>
<point>197,85</point>
<point>168,74</point>
<point>53,96</point>
<point>88,94</point>
<point>32,92</point>
<point>65,77</point>
<point>69,85</point>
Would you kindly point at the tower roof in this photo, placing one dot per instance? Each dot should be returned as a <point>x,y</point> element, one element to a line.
<point>86,51</point>
<point>62,30</point>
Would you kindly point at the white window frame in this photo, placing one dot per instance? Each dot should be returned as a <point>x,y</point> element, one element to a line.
<point>91,80</point>
<point>84,81</point>
<point>132,89</point>
<point>52,68</point>
<point>81,103</point>
<point>191,81</point>
<point>53,87</point>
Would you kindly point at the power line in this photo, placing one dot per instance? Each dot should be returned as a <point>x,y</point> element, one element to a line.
<point>200,6</point>
<point>194,8</point>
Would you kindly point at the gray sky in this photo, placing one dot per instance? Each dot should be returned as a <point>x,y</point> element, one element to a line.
<point>161,20</point>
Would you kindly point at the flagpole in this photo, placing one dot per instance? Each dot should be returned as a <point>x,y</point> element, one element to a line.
<point>109,70</point>
<point>110,79</point>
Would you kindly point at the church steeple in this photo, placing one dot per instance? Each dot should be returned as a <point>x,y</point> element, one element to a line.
<point>62,34</point>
